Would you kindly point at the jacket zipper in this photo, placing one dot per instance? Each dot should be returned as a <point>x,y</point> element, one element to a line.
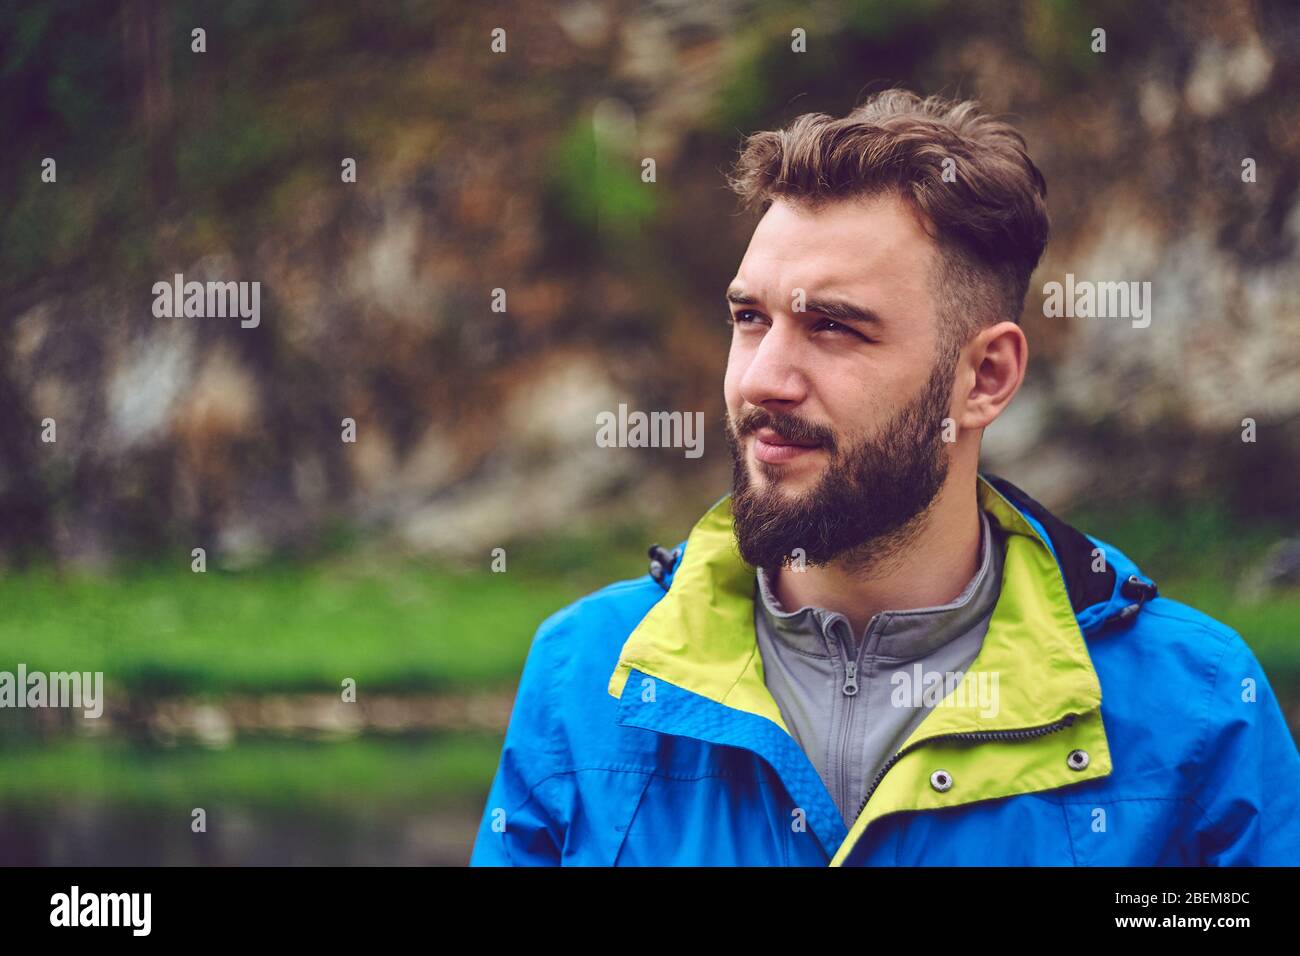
<point>850,690</point>
<point>974,737</point>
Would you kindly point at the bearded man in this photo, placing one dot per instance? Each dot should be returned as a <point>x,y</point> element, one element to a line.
<point>871,653</point>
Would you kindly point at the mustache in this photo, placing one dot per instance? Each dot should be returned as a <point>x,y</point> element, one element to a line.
<point>788,426</point>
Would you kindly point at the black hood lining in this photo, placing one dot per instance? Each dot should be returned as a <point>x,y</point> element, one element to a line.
<point>1073,550</point>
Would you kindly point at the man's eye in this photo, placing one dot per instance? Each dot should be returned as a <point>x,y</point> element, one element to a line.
<point>744,316</point>
<point>830,325</point>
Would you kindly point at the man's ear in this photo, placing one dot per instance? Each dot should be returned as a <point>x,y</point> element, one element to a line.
<point>998,357</point>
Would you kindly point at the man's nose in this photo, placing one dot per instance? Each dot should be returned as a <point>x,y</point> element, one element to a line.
<point>774,379</point>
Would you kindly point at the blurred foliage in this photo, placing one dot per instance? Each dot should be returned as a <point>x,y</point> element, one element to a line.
<point>601,192</point>
<point>74,86</point>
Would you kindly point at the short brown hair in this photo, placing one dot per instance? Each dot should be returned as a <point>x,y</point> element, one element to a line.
<point>990,223</point>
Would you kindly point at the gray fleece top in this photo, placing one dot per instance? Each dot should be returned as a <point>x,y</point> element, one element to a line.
<point>851,702</point>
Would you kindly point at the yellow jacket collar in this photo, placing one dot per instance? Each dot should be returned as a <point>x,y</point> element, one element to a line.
<point>700,635</point>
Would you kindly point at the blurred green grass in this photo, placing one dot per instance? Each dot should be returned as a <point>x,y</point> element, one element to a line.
<point>279,629</point>
<point>270,773</point>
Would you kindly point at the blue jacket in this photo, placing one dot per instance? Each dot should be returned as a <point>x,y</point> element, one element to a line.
<point>1131,730</point>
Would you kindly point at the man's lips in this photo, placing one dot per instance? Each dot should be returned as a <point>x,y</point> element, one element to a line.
<point>772,448</point>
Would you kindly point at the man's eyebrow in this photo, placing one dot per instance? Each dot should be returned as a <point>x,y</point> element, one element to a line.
<point>834,309</point>
<point>843,311</point>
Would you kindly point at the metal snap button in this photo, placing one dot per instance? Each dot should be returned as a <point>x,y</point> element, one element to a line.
<point>1077,760</point>
<point>941,780</point>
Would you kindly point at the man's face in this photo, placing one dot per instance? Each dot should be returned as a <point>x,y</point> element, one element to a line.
<point>835,406</point>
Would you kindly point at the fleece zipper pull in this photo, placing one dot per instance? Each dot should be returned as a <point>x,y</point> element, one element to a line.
<point>851,679</point>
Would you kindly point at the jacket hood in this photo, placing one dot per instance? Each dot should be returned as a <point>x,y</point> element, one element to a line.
<point>1103,584</point>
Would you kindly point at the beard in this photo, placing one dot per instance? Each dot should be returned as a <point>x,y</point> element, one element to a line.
<point>869,503</point>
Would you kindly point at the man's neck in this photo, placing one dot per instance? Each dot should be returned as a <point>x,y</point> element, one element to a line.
<point>932,567</point>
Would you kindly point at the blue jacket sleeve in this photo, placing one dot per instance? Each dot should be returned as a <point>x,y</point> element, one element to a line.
<point>521,825</point>
<point>1249,789</point>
